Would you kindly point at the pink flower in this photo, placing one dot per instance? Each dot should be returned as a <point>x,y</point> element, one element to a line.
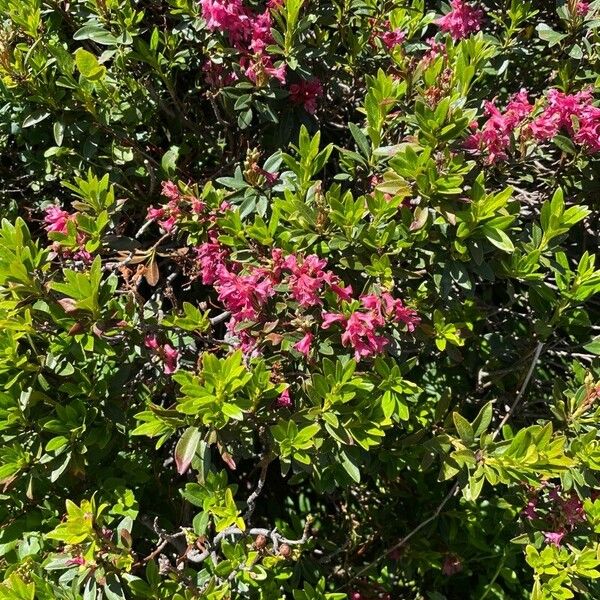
<point>572,511</point>
<point>360,334</point>
<point>451,565</point>
<point>83,255</point>
<point>226,15</point>
<point>171,191</point>
<point>155,213</point>
<point>573,113</point>
<point>343,293</point>
<point>167,354</point>
<point>256,69</point>
<point>392,38</point>
<point>211,256</point>
<point>400,313</point>
<point>530,511</point>
<point>170,358</point>
<point>461,21</point>
<point>494,138</point>
<point>244,295</point>
<point>260,32</point>
<point>57,219</point>
<point>284,400</point>
<point>270,178</point>
<point>303,346</point>
<point>76,560</point>
<point>435,49</point>
<point>307,279</point>
<point>554,537</point>
<point>306,93</point>
<point>330,318</point>
<point>169,224</point>
<point>582,8</point>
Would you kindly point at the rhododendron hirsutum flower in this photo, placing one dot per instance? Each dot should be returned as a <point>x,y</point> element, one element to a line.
<point>392,38</point>
<point>211,256</point>
<point>244,295</point>
<point>248,32</point>
<point>573,113</point>
<point>494,137</point>
<point>461,21</point>
<point>284,400</point>
<point>167,354</point>
<point>56,219</point>
<point>306,94</point>
<point>554,537</point>
<point>304,345</point>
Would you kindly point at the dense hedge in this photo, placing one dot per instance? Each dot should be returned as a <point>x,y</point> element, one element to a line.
<point>299,299</point>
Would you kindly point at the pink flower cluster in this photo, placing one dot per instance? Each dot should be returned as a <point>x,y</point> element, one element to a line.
<point>574,114</point>
<point>461,21</point>
<point>306,93</point>
<point>565,513</point>
<point>246,292</point>
<point>57,220</point>
<point>307,278</point>
<point>165,352</point>
<point>389,37</point>
<point>216,75</point>
<point>494,137</point>
<point>582,8</point>
<point>180,206</point>
<point>248,32</point>
<point>362,329</point>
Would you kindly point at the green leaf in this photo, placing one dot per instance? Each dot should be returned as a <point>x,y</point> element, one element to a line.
<point>549,35</point>
<point>463,427</point>
<point>96,33</point>
<point>186,448</point>
<point>498,238</point>
<point>88,65</point>
<point>593,346</point>
<point>169,160</point>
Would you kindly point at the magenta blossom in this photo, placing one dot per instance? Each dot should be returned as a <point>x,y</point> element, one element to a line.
<point>306,93</point>
<point>530,511</point>
<point>573,113</point>
<point>494,137</point>
<point>392,37</point>
<point>461,21</point>
<point>244,295</point>
<point>170,358</point>
<point>284,400</point>
<point>168,355</point>
<point>57,219</point>
<point>554,537</point>
<point>211,256</point>
<point>303,346</point>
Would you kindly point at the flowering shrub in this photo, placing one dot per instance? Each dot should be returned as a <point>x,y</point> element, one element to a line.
<point>299,300</point>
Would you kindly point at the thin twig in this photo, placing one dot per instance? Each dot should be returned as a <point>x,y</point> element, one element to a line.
<point>251,502</point>
<point>511,410</point>
<point>407,537</point>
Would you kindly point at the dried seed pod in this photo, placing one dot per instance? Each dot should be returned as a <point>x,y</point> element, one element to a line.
<point>260,542</point>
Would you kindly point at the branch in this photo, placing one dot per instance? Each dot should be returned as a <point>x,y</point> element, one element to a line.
<point>251,502</point>
<point>511,410</point>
